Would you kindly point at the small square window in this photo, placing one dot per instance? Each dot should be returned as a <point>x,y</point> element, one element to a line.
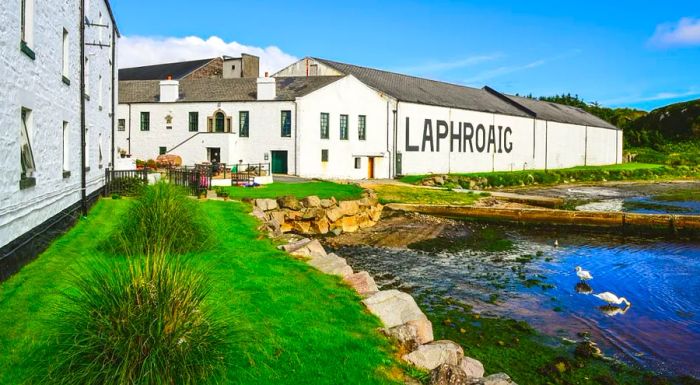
<point>121,125</point>
<point>161,150</point>
<point>358,163</point>
<point>324,155</point>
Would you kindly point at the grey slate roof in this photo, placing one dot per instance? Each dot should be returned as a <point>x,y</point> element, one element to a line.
<point>161,71</point>
<point>424,91</point>
<point>220,90</point>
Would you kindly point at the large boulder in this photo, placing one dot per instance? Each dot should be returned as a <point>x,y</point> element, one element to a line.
<point>349,207</point>
<point>332,264</point>
<point>311,201</point>
<point>350,224</point>
<point>375,213</point>
<point>289,202</point>
<point>363,283</point>
<point>310,249</point>
<point>334,214</point>
<point>434,354</point>
<point>472,367</point>
<point>320,226</point>
<point>412,334</point>
<point>498,379</point>
<point>266,204</point>
<point>447,374</point>
<point>393,307</point>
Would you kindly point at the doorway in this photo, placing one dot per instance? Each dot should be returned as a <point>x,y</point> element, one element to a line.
<point>370,168</point>
<point>214,154</point>
<point>279,162</point>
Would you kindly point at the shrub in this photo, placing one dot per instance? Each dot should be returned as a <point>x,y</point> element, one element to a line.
<point>163,220</point>
<point>140,322</point>
<point>128,185</point>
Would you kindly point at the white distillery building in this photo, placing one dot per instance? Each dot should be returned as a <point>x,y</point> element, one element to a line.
<point>58,82</point>
<point>319,118</point>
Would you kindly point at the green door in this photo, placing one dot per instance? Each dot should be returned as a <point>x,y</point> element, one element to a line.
<point>279,162</point>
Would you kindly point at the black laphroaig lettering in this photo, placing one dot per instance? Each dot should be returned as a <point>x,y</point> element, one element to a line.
<point>500,139</point>
<point>468,137</point>
<point>409,147</point>
<point>492,139</point>
<point>428,135</point>
<point>508,145</point>
<point>441,124</point>
<point>457,137</point>
<point>480,138</point>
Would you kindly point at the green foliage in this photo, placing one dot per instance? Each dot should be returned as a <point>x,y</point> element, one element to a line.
<point>683,153</point>
<point>322,189</point>
<point>619,117</point>
<point>161,221</point>
<point>127,186</point>
<point>672,123</point>
<point>145,323</point>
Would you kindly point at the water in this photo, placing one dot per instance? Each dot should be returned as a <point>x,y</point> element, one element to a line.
<point>661,278</point>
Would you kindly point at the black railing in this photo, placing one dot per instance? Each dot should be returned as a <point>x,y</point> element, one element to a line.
<point>125,182</point>
<point>195,180</point>
<point>246,172</point>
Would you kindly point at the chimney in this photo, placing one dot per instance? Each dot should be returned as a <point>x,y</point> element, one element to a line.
<point>169,90</point>
<point>266,88</point>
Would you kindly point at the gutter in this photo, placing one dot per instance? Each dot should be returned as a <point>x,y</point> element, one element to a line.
<point>114,88</point>
<point>296,134</point>
<point>83,198</point>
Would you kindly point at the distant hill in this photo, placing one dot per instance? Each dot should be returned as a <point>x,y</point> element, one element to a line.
<point>675,122</point>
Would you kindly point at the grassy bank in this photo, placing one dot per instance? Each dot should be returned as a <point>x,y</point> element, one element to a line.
<point>293,325</point>
<point>322,189</point>
<point>683,153</point>
<point>406,194</point>
<point>620,172</point>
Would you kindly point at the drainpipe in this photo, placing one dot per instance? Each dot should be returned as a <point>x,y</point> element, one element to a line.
<point>114,91</point>
<point>546,143</point>
<point>296,133</point>
<point>83,198</point>
<point>396,128</point>
<point>128,139</point>
<point>388,147</point>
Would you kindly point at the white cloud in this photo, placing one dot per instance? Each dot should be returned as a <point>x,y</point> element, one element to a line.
<point>651,98</point>
<point>437,66</point>
<point>509,69</point>
<point>686,32</point>
<point>140,50</point>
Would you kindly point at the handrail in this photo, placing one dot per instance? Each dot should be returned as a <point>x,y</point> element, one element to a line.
<point>181,143</point>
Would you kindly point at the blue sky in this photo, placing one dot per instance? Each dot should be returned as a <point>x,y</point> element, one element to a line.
<point>620,53</point>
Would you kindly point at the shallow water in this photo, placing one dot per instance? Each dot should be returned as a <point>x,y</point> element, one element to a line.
<point>661,278</point>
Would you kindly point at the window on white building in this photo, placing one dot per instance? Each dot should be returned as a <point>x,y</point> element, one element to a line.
<point>286,124</point>
<point>87,76</point>
<point>161,150</point>
<point>362,127</point>
<point>27,27</point>
<point>243,124</point>
<point>145,121</point>
<point>325,125</point>
<point>66,149</point>
<point>358,163</point>
<point>65,71</point>
<point>194,121</point>
<point>343,127</point>
<point>220,122</point>
<point>26,155</point>
<point>324,155</point>
<point>121,125</point>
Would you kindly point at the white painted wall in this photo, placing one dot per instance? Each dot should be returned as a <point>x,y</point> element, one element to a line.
<point>37,85</point>
<point>347,96</point>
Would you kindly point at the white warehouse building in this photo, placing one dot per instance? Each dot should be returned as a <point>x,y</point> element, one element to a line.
<point>319,118</point>
<point>58,82</point>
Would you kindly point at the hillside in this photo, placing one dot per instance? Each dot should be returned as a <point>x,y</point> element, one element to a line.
<point>675,122</point>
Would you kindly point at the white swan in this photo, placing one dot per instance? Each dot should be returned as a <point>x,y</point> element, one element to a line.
<point>612,298</point>
<point>583,275</point>
<point>556,243</point>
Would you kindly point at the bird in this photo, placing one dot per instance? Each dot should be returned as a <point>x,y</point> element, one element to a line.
<point>556,243</point>
<point>612,298</point>
<point>583,275</point>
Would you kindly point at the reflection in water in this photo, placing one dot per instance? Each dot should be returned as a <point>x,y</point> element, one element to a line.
<point>611,311</point>
<point>583,288</point>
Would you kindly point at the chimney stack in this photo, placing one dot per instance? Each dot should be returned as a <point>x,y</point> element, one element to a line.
<point>169,90</point>
<point>267,88</point>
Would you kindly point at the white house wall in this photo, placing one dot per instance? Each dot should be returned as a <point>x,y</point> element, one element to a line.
<point>37,85</point>
<point>347,96</point>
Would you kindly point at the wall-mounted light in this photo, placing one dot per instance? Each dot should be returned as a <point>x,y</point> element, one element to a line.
<point>267,156</point>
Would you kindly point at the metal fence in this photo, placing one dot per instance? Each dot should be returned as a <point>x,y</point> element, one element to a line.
<point>246,173</point>
<point>125,182</point>
<point>193,179</point>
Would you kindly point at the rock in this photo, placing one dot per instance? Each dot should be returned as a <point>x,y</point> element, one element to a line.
<point>349,224</point>
<point>472,367</point>
<point>434,354</point>
<point>320,226</point>
<point>258,213</point>
<point>310,249</point>
<point>331,264</point>
<point>334,214</point>
<point>439,180</point>
<point>302,227</point>
<point>363,283</point>
<point>289,202</point>
<point>285,227</point>
<point>327,203</point>
<point>294,246</point>
<point>311,201</point>
<point>412,334</point>
<point>313,213</point>
<point>375,213</point>
<point>498,379</point>
<point>279,216</point>
<point>349,207</point>
<point>363,221</point>
<point>266,204</point>
<point>367,193</point>
<point>447,374</point>
<point>393,307</point>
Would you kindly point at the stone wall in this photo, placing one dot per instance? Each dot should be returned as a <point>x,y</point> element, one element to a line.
<point>315,216</point>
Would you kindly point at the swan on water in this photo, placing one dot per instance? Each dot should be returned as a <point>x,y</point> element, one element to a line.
<point>556,243</point>
<point>612,298</point>
<point>583,275</point>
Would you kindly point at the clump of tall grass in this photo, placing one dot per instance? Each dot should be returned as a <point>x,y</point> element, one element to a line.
<point>161,221</point>
<point>142,321</point>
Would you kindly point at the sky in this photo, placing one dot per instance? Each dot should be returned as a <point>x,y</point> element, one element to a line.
<point>641,54</point>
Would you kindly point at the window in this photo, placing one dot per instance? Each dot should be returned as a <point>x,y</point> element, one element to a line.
<point>324,125</point>
<point>99,149</point>
<point>286,124</point>
<point>121,125</point>
<point>362,127</point>
<point>161,150</point>
<point>26,155</point>
<point>220,122</point>
<point>358,163</point>
<point>194,121</point>
<point>343,127</point>
<point>99,92</point>
<point>66,149</point>
<point>145,121</point>
<point>66,55</point>
<point>243,122</point>
<point>26,27</point>
<point>324,155</point>
<point>87,77</point>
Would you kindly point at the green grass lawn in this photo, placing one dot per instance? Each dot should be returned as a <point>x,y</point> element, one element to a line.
<point>407,194</point>
<point>294,325</point>
<point>322,189</point>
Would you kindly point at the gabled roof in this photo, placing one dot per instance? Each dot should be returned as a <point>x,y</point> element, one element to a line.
<point>424,91</point>
<point>161,71</point>
<point>221,90</point>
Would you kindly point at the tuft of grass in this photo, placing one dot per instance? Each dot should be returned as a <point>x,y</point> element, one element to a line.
<point>161,221</point>
<point>143,323</point>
